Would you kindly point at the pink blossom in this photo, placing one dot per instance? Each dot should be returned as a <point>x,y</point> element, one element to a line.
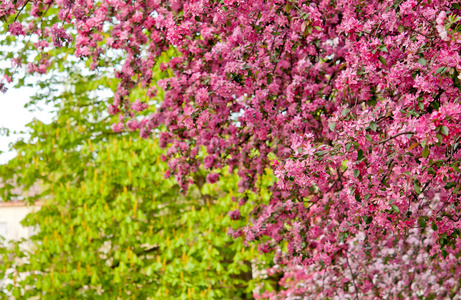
<point>212,177</point>
<point>234,215</point>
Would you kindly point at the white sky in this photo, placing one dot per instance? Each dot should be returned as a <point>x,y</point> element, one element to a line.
<point>14,116</point>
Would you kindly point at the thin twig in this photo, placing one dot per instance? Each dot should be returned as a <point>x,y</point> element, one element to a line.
<point>369,276</point>
<point>446,202</point>
<point>353,279</point>
<point>393,137</point>
<point>19,12</point>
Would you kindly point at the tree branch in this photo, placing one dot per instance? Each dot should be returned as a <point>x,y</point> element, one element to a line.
<point>393,137</point>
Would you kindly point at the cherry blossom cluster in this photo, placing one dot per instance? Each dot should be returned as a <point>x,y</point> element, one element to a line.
<point>395,267</point>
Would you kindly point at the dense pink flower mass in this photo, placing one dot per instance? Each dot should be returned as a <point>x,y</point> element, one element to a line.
<point>358,100</point>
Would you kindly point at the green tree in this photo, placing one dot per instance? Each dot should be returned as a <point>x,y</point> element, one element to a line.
<point>112,225</point>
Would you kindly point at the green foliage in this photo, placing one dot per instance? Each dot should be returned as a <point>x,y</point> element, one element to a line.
<point>119,228</point>
<point>112,226</point>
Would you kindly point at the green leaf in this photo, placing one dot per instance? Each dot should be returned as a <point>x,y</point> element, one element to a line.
<point>417,187</point>
<point>344,112</point>
<point>444,253</point>
<point>197,18</point>
<point>425,152</point>
<point>386,259</point>
<point>439,70</point>
<point>318,153</point>
<point>360,154</point>
<point>434,226</point>
<point>444,130</point>
<point>382,60</point>
<point>384,49</point>
<point>373,126</point>
<point>287,8</point>
<point>439,137</point>
<point>368,137</point>
<point>318,28</point>
<point>421,106</point>
<point>332,126</point>
<point>356,173</point>
<point>395,208</point>
<point>422,61</point>
<point>449,185</point>
<point>422,222</point>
